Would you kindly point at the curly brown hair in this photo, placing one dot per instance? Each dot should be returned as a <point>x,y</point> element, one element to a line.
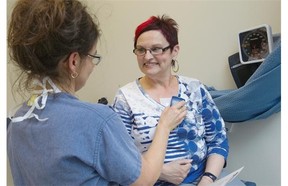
<point>44,32</point>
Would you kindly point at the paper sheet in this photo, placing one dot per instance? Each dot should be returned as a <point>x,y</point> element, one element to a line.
<point>225,180</point>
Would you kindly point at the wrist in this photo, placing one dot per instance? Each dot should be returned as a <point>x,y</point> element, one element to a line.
<point>210,176</point>
<point>164,128</point>
<point>205,181</point>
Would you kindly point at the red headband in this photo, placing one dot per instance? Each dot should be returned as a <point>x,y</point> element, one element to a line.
<point>143,26</point>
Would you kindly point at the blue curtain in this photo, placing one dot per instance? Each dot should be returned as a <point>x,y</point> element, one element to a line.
<point>259,98</point>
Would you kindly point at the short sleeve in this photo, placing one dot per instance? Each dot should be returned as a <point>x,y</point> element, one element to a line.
<point>121,106</point>
<point>117,158</point>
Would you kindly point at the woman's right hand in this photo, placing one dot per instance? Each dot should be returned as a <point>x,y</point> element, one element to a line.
<point>173,116</point>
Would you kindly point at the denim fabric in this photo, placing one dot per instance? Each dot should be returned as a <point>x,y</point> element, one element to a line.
<point>80,144</point>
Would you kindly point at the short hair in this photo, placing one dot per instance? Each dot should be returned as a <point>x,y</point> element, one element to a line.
<point>165,24</point>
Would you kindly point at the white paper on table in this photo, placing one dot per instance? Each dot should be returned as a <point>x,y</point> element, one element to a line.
<point>225,180</point>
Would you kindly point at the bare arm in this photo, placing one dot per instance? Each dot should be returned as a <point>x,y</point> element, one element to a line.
<point>152,160</point>
<point>214,165</point>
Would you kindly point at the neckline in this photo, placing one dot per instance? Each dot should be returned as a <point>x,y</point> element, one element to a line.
<point>38,98</point>
<point>149,97</point>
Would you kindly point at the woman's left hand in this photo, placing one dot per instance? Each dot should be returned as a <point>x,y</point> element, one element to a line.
<point>175,171</point>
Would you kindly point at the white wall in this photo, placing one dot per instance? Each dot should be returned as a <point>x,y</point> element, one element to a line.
<point>208,36</point>
<point>256,146</point>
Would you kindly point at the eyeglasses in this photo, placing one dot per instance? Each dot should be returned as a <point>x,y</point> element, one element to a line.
<point>153,51</point>
<point>95,58</point>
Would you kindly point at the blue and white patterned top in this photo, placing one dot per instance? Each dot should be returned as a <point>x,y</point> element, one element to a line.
<point>200,134</point>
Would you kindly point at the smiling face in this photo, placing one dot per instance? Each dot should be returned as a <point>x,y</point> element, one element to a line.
<point>155,65</point>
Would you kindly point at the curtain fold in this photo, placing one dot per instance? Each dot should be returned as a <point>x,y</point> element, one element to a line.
<point>259,98</point>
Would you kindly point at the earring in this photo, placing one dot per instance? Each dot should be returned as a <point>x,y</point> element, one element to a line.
<point>74,75</point>
<point>175,65</point>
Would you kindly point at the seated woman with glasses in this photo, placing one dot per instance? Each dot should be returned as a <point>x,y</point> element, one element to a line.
<point>198,147</point>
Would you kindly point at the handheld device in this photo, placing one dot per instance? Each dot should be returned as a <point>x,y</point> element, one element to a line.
<point>175,100</point>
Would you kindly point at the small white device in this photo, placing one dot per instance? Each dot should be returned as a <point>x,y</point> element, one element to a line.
<point>255,44</point>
